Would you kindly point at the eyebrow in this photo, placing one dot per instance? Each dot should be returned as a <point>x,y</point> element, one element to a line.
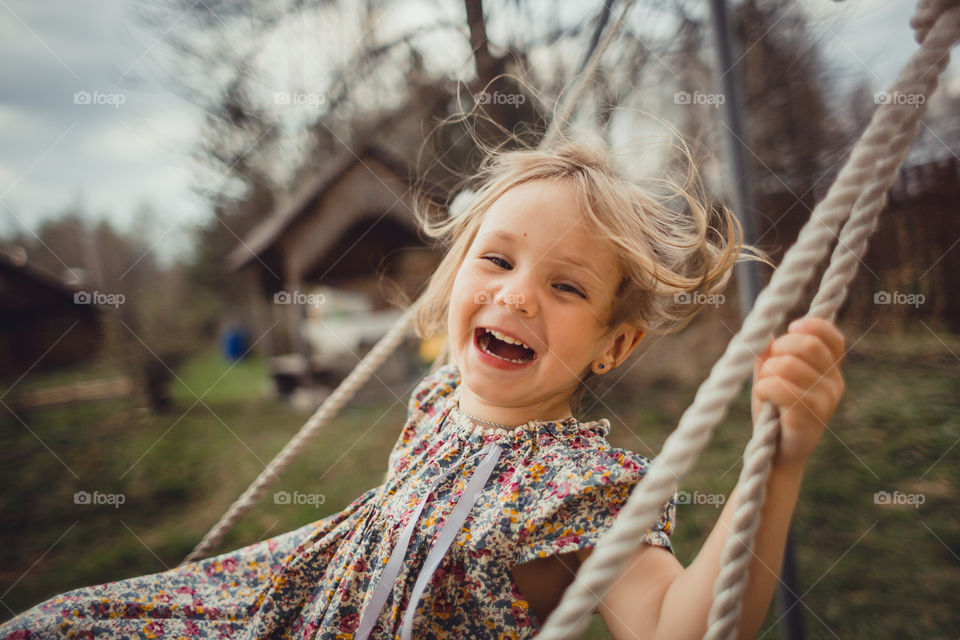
<point>508,237</point>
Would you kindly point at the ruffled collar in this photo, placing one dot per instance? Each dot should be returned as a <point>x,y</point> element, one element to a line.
<point>468,429</point>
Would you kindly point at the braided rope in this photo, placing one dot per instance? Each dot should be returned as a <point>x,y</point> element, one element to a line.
<point>861,186</point>
<point>735,559</point>
<point>849,251</point>
<point>851,247</point>
<point>358,377</point>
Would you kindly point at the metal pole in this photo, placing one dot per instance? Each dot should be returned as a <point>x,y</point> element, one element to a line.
<point>738,170</point>
<point>747,276</point>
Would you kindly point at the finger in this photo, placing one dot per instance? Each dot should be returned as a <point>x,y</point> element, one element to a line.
<point>809,348</point>
<point>781,393</point>
<point>792,369</point>
<point>786,396</point>
<point>825,330</point>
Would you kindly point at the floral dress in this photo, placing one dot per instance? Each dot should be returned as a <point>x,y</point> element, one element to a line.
<point>552,487</point>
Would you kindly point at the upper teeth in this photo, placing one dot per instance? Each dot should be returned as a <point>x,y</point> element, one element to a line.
<point>506,338</point>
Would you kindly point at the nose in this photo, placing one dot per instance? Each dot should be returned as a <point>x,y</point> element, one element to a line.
<point>518,292</point>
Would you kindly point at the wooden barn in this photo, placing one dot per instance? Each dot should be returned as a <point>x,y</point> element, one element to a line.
<point>44,322</point>
<point>909,272</point>
<point>323,263</point>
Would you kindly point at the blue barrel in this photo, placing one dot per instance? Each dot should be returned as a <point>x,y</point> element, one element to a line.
<point>234,343</point>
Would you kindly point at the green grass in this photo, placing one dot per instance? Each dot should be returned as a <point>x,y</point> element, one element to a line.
<point>33,379</point>
<point>218,381</point>
<point>868,570</point>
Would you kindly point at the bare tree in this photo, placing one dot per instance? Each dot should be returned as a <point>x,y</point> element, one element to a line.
<point>384,73</point>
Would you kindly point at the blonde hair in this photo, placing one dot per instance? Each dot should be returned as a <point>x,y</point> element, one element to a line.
<point>666,254</point>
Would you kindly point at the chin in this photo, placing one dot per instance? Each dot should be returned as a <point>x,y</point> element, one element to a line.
<point>482,386</point>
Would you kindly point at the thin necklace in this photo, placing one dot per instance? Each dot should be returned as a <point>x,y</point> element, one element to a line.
<point>497,424</point>
<point>492,424</point>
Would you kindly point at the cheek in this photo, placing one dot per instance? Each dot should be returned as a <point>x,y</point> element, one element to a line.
<point>461,297</point>
<point>575,331</point>
<point>467,276</point>
<point>465,286</point>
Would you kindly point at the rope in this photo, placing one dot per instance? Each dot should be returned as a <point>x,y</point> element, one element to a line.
<point>851,247</point>
<point>861,187</point>
<point>562,116</point>
<point>380,352</point>
<point>327,411</point>
<point>921,78</point>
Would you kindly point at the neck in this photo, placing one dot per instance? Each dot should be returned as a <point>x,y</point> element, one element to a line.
<point>474,406</point>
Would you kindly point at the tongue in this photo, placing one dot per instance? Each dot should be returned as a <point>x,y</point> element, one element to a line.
<point>507,350</point>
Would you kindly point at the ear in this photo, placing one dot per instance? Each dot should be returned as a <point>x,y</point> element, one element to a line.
<point>626,338</point>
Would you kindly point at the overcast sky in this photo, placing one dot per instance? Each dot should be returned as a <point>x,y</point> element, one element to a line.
<point>83,117</point>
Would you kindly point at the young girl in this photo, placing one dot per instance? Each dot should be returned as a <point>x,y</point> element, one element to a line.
<point>495,492</point>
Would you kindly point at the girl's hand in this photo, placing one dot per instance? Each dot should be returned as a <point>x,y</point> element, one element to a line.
<point>799,372</point>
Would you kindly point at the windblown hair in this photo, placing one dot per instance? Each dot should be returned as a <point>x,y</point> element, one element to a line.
<point>673,248</point>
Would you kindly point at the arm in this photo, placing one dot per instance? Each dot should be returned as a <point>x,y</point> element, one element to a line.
<point>656,597</point>
<point>798,373</point>
<point>686,605</point>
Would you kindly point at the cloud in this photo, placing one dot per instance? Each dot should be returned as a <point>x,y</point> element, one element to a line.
<point>117,154</point>
<point>127,143</point>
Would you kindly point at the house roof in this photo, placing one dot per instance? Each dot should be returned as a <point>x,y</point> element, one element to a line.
<point>265,234</point>
<point>13,262</point>
<point>37,285</point>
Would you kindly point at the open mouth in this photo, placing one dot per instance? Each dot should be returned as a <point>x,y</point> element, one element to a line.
<point>498,345</point>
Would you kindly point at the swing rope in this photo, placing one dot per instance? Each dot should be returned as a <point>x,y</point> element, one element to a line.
<point>854,202</point>
<point>331,406</point>
<point>564,115</point>
<point>860,190</point>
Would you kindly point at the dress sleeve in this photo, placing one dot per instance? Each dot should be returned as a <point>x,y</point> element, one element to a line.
<point>422,407</point>
<point>573,504</point>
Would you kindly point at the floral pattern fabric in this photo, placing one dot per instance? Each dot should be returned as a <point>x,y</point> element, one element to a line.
<point>557,486</point>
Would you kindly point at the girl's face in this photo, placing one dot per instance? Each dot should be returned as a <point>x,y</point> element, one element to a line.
<point>537,275</point>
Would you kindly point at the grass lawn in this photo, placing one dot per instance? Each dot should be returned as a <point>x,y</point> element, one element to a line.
<point>867,570</point>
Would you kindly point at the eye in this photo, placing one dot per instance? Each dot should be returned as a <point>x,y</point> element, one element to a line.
<point>500,262</point>
<point>572,289</point>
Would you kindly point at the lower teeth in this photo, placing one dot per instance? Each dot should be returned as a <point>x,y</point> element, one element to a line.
<point>502,358</point>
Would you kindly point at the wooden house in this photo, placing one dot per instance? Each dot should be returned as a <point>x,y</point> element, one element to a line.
<point>350,229</point>
<point>45,323</point>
